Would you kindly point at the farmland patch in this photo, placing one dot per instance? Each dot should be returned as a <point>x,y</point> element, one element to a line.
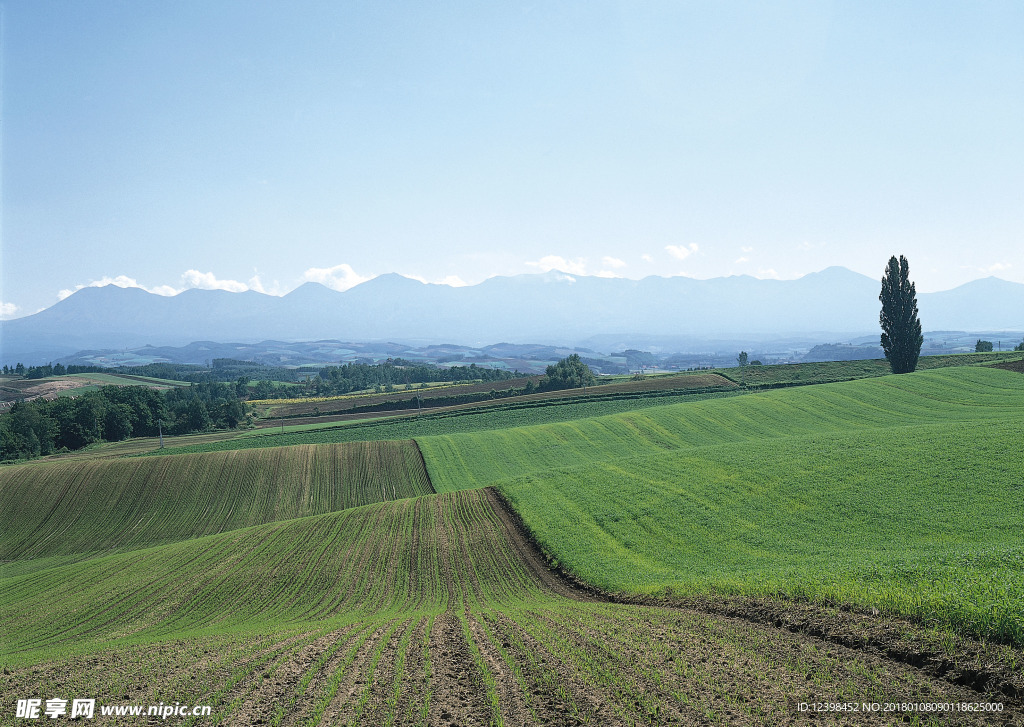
<point>73,509</point>
<point>420,611</point>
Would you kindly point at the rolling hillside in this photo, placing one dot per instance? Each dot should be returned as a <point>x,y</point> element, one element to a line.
<point>426,611</point>
<point>75,509</point>
<point>709,544</point>
<point>900,493</point>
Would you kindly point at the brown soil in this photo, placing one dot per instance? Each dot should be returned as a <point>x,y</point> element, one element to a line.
<point>1017,366</point>
<point>501,637</point>
<point>49,389</point>
<point>337,410</point>
<point>31,389</point>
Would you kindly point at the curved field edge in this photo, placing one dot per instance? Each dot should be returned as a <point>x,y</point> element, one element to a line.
<point>421,611</point>
<point>879,511</point>
<point>501,415</point>
<point>302,573</point>
<point>68,510</point>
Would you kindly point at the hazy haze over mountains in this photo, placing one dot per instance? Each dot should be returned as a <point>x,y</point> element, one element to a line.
<point>552,307</point>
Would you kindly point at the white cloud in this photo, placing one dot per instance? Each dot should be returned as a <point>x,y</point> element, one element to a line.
<point>647,258</point>
<point>746,249</point>
<point>577,266</point>
<point>743,259</point>
<point>607,274</point>
<point>209,281</point>
<point>612,262</point>
<point>453,281</point>
<point>340,277</point>
<point>681,252</point>
<point>997,268</point>
<point>767,273</point>
<point>256,283</point>
<point>166,290</point>
<point>7,310</point>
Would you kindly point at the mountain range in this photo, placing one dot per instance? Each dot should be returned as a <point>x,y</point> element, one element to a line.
<point>552,307</point>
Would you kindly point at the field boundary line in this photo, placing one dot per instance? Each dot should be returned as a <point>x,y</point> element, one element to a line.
<point>423,463</point>
<point>972,666</point>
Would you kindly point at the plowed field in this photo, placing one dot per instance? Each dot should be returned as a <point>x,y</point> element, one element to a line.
<point>68,509</point>
<point>433,611</point>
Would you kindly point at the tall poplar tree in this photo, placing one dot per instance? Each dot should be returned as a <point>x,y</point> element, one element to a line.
<point>901,328</point>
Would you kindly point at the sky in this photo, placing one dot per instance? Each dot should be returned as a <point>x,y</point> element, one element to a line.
<point>261,145</point>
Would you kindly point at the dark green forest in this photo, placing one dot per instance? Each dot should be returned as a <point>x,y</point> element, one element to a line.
<point>215,399</point>
<point>113,413</point>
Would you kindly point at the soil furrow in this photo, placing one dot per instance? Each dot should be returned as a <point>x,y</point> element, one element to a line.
<point>459,696</point>
<point>986,670</point>
<point>350,677</point>
<point>280,684</point>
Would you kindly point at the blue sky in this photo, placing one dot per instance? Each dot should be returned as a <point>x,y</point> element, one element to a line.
<point>262,145</point>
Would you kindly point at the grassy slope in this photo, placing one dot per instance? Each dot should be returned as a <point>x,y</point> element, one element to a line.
<point>950,395</point>
<point>72,509</point>
<point>521,411</point>
<point>829,371</point>
<point>902,493</point>
<point>350,566</point>
<point>503,415</point>
<point>411,612</point>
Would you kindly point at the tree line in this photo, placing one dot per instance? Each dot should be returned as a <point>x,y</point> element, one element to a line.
<point>114,413</point>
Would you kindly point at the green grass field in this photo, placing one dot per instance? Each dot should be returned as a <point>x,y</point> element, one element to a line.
<point>420,612</point>
<point>326,583</point>
<point>830,371</point>
<point>126,380</point>
<point>899,493</point>
<point>503,415</point>
<point>478,459</point>
<point>115,505</point>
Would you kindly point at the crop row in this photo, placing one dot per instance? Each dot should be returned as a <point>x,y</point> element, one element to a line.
<point>67,509</point>
<point>416,612</point>
<point>327,404</point>
<point>474,394</point>
<point>478,459</point>
<point>899,494</point>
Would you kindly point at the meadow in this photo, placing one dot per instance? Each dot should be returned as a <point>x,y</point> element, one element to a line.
<point>618,560</point>
<point>901,494</point>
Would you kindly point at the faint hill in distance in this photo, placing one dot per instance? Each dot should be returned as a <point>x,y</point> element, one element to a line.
<point>552,308</point>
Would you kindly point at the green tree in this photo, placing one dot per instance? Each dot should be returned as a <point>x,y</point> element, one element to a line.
<point>1019,346</point>
<point>569,373</point>
<point>901,327</point>
<point>983,346</point>
<point>25,432</point>
<point>117,422</point>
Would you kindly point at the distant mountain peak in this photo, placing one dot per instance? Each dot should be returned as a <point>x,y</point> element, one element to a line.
<point>553,306</point>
